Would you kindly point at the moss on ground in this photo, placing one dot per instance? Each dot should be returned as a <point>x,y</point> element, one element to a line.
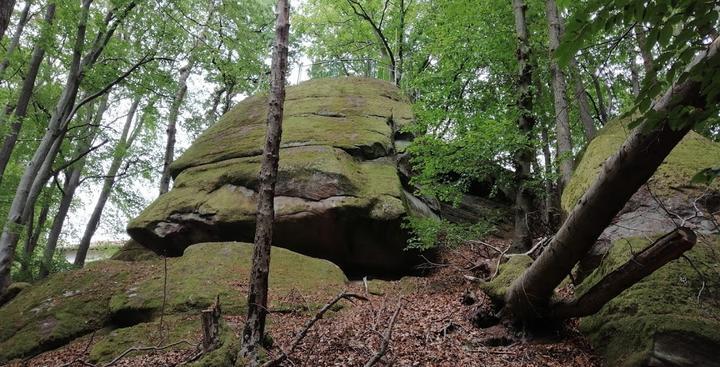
<point>60,308</point>
<point>109,293</point>
<point>693,154</point>
<point>509,271</point>
<point>347,113</point>
<point>666,301</point>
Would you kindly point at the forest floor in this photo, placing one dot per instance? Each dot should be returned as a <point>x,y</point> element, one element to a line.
<point>432,328</point>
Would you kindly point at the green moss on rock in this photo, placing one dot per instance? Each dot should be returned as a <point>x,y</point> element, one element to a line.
<point>693,154</point>
<point>627,329</point>
<point>348,113</point>
<point>509,271</point>
<point>133,251</point>
<point>110,293</point>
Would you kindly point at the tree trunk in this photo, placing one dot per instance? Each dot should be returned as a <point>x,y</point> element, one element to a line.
<point>549,192</point>
<point>634,76</point>
<point>525,155</point>
<point>646,54</point>
<point>603,114</point>
<point>33,236</point>
<point>9,237</point>
<point>72,181</point>
<point>583,103</point>
<point>16,38</point>
<point>665,249</point>
<point>26,92</point>
<point>400,45</point>
<point>6,10</point>
<point>119,154</point>
<point>172,125</point>
<point>562,117</point>
<point>257,296</point>
<point>621,176</point>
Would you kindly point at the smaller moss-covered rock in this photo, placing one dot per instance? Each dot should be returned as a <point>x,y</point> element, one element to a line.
<point>509,271</point>
<point>670,318</point>
<point>133,251</point>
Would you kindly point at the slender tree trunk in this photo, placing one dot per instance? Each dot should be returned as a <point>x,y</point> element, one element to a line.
<point>33,236</point>
<point>257,296</point>
<point>72,181</point>
<point>621,176</point>
<point>14,222</point>
<point>525,155</point>
<point>549,192</point>
<point>119,155</point>
<point>562,117</point>
<point>6,10</point>
<point>172,125</point>
<point>583,103</point>
<point>600,99</point>
<point>400,45</point>
<point>16,38</point>
<point>645,53</point>
<point>23,102</point>
<point>634,76</point>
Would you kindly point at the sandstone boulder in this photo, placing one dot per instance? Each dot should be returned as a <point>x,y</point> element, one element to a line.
<point>338,195</point>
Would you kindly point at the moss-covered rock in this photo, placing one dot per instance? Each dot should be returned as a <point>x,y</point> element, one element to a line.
<point>693,154</point>
<point>127,297</point>
<point>670,318</point>
<point>133,251</point>
<point>338,196</point>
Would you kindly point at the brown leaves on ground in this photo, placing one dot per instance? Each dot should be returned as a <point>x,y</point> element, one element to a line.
<point>432,329</point>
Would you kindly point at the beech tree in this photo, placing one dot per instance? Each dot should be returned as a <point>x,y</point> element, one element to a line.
<point>267,178</point>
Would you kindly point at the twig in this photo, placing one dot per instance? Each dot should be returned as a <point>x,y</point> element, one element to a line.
<point>284,354</point>
<point>386,339</point>
<point>145,349</point>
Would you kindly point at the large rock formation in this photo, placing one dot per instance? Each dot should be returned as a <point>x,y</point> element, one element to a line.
<point>672,317</point>
<point>338,197</point>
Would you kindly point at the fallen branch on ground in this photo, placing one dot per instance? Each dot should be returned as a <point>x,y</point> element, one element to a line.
<point>284,354</point>
<point>386,339</point>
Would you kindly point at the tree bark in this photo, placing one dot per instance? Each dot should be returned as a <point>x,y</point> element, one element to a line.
<point>665,249</point>
<point>119,154</point>
<point>646,54</point>
<point>16,38</point>
<point>172,125</point>
<point>14,222</point>
<point>72,181</point>
<point>257,296</point>
<point>26,92</point>
<point>6,10</point>
<point>583,104</point>
<point>33,236</point>
<point>621,176</point>
<point>602,110</point>
<point>549,192</point>
<point>562,117</point>
<point>526,121</point>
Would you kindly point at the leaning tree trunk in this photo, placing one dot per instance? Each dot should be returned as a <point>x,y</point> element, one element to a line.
<point>34,230</point>
<point>257,296</point>
<point>119,155</point>
<point>562,117</point>
<point>72,181</point>
<point>526,154</point>
<point>621,176</point>
<point>172,125</point>
<point>6,9</point>
<point>10,233</point>
<point>15,41</point>
<point>26,92</point>
<point>602,110</point>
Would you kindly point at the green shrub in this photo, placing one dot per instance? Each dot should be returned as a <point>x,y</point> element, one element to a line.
<point>428,233</point>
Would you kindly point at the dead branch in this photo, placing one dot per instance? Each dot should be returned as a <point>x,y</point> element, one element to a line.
<point>285,353</point>
<point>386,339</point>
<point>665,249</point>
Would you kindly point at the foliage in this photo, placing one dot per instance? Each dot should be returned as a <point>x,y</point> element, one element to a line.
<point>429,233</point>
